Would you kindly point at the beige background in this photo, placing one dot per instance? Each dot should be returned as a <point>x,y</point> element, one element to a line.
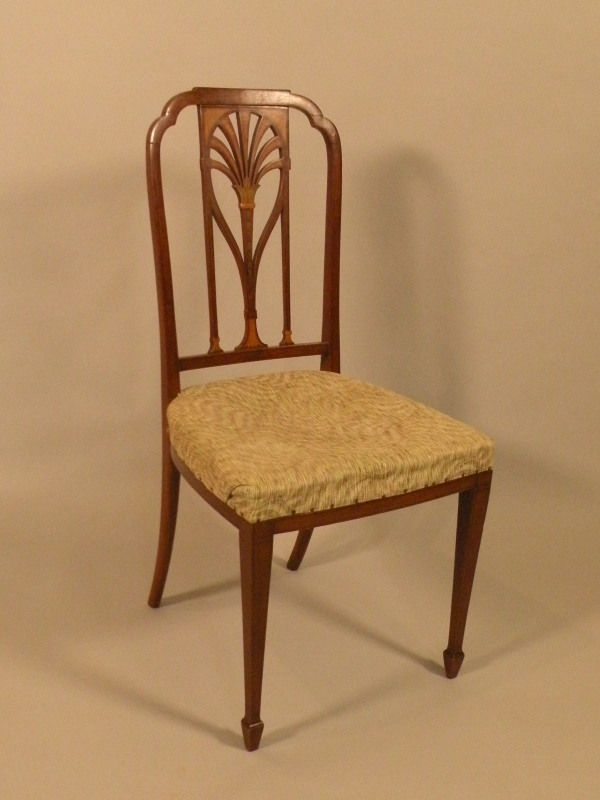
<point>471,243</point>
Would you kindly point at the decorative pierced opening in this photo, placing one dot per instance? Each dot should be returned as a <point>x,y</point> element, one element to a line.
<point>245,145</point>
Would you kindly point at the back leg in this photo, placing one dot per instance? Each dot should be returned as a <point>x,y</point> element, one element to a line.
<point>472,506</point>
<point>297,554</point>
<point>168,518</point>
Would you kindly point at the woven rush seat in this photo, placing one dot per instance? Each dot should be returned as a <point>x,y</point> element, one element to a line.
<point>294,442</point>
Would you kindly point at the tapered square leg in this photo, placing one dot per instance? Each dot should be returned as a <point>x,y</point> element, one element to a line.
<point>472,507</point>
<point>256,553</point>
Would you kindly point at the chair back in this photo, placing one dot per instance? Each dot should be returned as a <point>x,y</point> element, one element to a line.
<point>244,135</point>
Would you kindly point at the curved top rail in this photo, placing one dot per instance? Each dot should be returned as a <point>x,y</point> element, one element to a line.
<point>210,96</point>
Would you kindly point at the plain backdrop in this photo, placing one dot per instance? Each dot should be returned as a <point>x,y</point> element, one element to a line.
<point>470,255</point>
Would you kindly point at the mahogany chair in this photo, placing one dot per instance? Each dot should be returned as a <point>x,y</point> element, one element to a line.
<point>295,449</point>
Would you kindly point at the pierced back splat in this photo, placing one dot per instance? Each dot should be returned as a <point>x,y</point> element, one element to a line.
<point>244,137</point>
<point>245,145</point>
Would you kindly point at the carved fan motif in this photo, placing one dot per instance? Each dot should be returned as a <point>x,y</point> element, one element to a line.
<point>245,146</point>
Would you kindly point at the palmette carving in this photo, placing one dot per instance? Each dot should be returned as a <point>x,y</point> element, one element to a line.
<point>245,145</point>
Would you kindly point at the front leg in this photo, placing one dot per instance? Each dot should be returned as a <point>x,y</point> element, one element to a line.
<point>472,506</point>
<point>256,553</point>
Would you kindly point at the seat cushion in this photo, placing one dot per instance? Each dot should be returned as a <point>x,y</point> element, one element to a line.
<point>294,442</point>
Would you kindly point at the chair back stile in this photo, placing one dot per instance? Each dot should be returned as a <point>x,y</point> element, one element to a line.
<point>244,134</point>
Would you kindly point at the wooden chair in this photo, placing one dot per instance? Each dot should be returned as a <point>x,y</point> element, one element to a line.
<point>291,450</point>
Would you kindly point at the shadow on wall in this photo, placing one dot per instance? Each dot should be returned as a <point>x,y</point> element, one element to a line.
<point>414,284</point>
